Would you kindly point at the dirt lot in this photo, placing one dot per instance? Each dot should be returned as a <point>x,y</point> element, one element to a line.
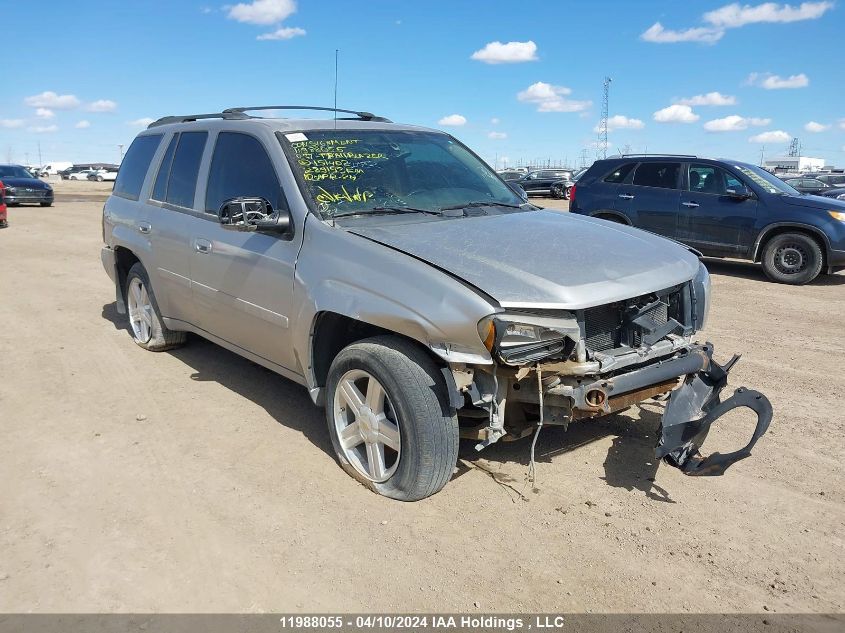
<point>195,481</point>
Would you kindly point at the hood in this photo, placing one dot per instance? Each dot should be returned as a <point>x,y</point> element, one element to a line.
<point>31,183</point>
<point>813,202</point>
<point>543,259</point>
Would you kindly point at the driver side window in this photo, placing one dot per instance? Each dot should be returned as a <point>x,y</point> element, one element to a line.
<point>710,179</point>
<point>241,167</point>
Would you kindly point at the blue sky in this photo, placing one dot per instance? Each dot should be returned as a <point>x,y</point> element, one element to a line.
<point>107,66</point>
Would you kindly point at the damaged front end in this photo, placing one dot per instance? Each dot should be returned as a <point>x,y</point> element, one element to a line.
<point>556,367</point>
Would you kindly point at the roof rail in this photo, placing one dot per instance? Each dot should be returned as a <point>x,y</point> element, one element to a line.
<point>195,117</point>
<point>658,154</point>
<point>364,116</point>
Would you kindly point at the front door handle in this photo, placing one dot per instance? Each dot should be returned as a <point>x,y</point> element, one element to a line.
<point>691,205</point>
<point>145,227</point>
<point>202,246</point>
<point>626,196</point>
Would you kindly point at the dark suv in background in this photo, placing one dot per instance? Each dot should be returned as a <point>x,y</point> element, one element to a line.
<point>722,208</point>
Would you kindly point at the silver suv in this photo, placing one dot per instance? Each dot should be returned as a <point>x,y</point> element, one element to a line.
<point>422,301</point>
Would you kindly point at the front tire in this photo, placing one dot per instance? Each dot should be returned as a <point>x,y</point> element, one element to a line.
<point>792,258</point>
<point>145,323</point>
<point>99,179</point>
<point>389,418</point>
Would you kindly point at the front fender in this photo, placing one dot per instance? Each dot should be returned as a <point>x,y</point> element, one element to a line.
<point>353,276</point>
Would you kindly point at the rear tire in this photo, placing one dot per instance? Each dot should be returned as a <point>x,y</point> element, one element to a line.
<point>792,258</point>
<point>145,322</point>
<point>559,193</point>
<point>46,204</point>
<point>385,393</point>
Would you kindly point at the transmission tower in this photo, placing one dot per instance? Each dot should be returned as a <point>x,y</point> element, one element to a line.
<point>795,147</point>
<point>602,144</point>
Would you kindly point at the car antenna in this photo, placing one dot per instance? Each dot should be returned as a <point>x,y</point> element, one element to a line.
<point>336,51</point>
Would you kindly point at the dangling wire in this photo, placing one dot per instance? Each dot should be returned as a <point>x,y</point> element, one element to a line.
<point>531,465</point>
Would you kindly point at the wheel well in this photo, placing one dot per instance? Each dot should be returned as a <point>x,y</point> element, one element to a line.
<point>124,259</point>
<point>613,217</point>
<point>758,257</point>
<point>332,332</point>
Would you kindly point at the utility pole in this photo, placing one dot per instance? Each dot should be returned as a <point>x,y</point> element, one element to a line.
<point>762,151</point>
<point>602,144</point>
<point>40,161</point>
<point>120,148</point>
<point>26,154</point>
<point>795,147</point>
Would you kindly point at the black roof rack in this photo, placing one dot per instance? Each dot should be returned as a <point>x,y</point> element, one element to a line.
<point>364,116</point>
<point>657,154</point>
<point>241,114</point>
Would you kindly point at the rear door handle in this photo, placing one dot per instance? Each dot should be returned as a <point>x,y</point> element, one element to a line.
<point>626,196</point>
<point>145,227</point>
<point>202,246</point>
<point>691,205</point>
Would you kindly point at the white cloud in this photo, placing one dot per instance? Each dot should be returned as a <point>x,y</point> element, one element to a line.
<point>676,114</point>
<point>620,121</point>
<point>43,129</point>
<point>142,122</point>
<point>772,136</point>
<point>81,125</point>
<point>734,15</point>
<point>551,98</point>
<point>49,99</point>
<point>709,99</point>
<point>510,53</point>
<point>497,135</point>
<point>453,119</point>
<point>262,11</point>
<point>657,34</point>
<point>812,126</point>
<point>776,82</point>
<point>284,33</point>
<point>734,123</point>
<point>495,121</point>
<point>842,123</point>
<point>101,105</point>
<point>44,113</point>
<point>11,123</point>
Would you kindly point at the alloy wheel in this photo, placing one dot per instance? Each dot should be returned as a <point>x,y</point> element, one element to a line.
<point>140,310</point>
<point>366,425</point>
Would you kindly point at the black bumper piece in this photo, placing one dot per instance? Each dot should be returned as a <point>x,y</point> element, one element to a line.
<point>694,407</point>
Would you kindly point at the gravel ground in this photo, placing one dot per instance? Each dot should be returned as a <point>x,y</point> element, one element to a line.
<point>196,481</point>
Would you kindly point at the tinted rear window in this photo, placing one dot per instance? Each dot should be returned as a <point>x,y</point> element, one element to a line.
<point>135,164</point>
<point>620,173</point>
<point>160,187</point>
<point>186,165</point>
<point>663,175</point>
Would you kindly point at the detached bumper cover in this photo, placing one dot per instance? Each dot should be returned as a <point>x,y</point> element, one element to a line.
<point>694,407</point>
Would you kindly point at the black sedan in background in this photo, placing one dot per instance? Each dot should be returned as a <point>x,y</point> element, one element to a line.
<point>835,192</point>
<point>22,188</point>
<point>808,185</point>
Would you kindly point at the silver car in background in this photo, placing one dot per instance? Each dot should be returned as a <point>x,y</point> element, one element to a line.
<point>421,300</point>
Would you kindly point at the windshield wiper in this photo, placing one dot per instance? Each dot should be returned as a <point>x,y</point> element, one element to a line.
<point>385,211</point>
<point>480,203</point>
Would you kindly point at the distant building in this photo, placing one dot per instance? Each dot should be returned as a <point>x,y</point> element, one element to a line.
<point>794,164</point>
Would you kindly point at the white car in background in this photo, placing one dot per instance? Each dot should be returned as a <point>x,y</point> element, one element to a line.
<point>103,174</point>
<point>82,175</point>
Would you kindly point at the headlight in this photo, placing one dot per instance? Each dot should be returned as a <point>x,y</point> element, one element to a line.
<point>10,190</point>
<point>519,339</point>
<point>701,296</point>
<point>838,215</point>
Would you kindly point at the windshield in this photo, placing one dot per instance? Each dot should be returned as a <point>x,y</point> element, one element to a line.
<point>13,171</point>
<point>769,182</point>
<point>365,171</point>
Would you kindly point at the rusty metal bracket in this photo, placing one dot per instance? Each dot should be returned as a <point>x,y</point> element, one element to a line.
<point>694,407</point>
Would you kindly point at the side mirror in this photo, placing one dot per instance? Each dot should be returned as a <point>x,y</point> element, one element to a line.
<point>739,193</point>
<point>518,190</point>
<point>253,214</point>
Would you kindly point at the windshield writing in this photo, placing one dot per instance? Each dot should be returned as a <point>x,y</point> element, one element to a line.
<point>362,171</point>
